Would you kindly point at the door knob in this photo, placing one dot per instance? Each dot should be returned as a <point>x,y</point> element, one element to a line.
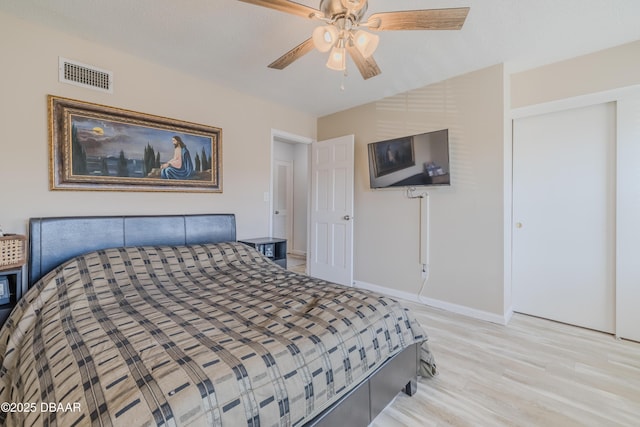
<point>518,225</point>
<point>276,212</point>
<point>346,217</point>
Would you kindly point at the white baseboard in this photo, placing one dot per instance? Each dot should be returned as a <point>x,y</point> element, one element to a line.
<point>298,253</point>
<point>468,311</point>
<point>454,308</point>
<point>508,315</point>
<point>387,291</point>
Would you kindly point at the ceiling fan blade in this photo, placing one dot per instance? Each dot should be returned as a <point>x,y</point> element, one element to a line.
<point>367,66</point>
<point>295,53</point>
<point>428,19</point>
<point>287,7</point>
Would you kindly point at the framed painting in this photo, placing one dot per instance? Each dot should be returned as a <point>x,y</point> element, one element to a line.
<point>95,147</point>
<point>392,155</point>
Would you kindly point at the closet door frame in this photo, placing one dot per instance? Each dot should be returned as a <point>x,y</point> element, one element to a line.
<point>627,295</point>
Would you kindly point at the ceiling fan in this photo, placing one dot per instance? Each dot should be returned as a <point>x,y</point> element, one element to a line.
<point>344,30</point>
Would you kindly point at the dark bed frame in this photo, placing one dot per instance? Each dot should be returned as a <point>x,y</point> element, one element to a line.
<point>55,240</point>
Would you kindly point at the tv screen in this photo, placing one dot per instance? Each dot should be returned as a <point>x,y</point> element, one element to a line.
<point>411,161</point>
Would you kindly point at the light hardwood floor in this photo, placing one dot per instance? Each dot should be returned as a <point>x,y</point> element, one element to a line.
<point>296,263</point>
<point>533,372</point>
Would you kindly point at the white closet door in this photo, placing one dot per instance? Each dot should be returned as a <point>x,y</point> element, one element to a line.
<point>628,219</point>
<point>564,216</point>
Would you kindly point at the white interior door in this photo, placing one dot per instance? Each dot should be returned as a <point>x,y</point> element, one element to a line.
<point>331,221</point>
<point>283,200</point>
<point>564,216</point>
<point>627,224</point>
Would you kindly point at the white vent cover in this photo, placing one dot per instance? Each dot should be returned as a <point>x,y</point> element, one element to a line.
<point>76,73</point>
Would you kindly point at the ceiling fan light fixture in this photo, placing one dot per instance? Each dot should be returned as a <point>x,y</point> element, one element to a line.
<point>337,59</point>
<point>324,37</point>
<point>366,43</point>
<point>341,31</point>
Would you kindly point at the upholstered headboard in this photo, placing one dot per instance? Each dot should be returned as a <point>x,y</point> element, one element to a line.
<point>53,241</point>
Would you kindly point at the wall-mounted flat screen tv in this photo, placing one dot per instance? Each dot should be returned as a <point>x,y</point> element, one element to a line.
<point>411,161</point>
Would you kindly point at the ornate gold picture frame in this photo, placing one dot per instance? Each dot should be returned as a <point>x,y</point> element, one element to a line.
<point>96,147</point>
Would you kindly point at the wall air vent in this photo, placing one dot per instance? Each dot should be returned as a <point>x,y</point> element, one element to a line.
<point>75,73</point>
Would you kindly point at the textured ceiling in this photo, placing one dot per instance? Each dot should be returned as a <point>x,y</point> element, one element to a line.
<point>231,42</point>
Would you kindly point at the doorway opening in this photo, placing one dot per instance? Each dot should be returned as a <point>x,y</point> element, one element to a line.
<point>289,201</point>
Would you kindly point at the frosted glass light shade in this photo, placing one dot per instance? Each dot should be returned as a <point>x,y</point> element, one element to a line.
<point>366,42</point>
<point>324,37</point>
<point>337,60</point>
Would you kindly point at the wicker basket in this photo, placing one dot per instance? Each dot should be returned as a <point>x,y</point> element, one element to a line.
<point>12,251</point>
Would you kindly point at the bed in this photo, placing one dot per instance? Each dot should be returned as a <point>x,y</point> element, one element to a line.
<point>167,320</point>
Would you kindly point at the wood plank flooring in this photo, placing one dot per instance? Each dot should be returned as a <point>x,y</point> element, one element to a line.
<point>532,372</point>
<point>297,263</point>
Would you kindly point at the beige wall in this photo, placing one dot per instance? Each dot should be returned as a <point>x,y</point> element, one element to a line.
<point>30,71</point>
<point>466,244</point>
<point>604,70</point>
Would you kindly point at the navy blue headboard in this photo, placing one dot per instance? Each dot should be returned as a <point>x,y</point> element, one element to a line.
<point>53,241</point>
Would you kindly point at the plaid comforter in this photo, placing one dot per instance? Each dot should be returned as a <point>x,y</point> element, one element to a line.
<point>212,335</point>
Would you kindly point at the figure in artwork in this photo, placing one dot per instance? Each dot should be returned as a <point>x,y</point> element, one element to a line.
<point>180,166</point>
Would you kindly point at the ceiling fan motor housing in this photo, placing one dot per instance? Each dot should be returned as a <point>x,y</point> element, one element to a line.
<point>335,8</point>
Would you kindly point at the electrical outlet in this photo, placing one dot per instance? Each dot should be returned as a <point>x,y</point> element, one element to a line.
<point>266,196</point>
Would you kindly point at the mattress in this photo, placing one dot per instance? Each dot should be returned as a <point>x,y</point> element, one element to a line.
<point>211,335</point>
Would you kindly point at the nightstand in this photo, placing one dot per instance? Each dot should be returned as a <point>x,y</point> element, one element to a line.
<point>10,291</point>
<point>12,258</point>
<point>273,248</point>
